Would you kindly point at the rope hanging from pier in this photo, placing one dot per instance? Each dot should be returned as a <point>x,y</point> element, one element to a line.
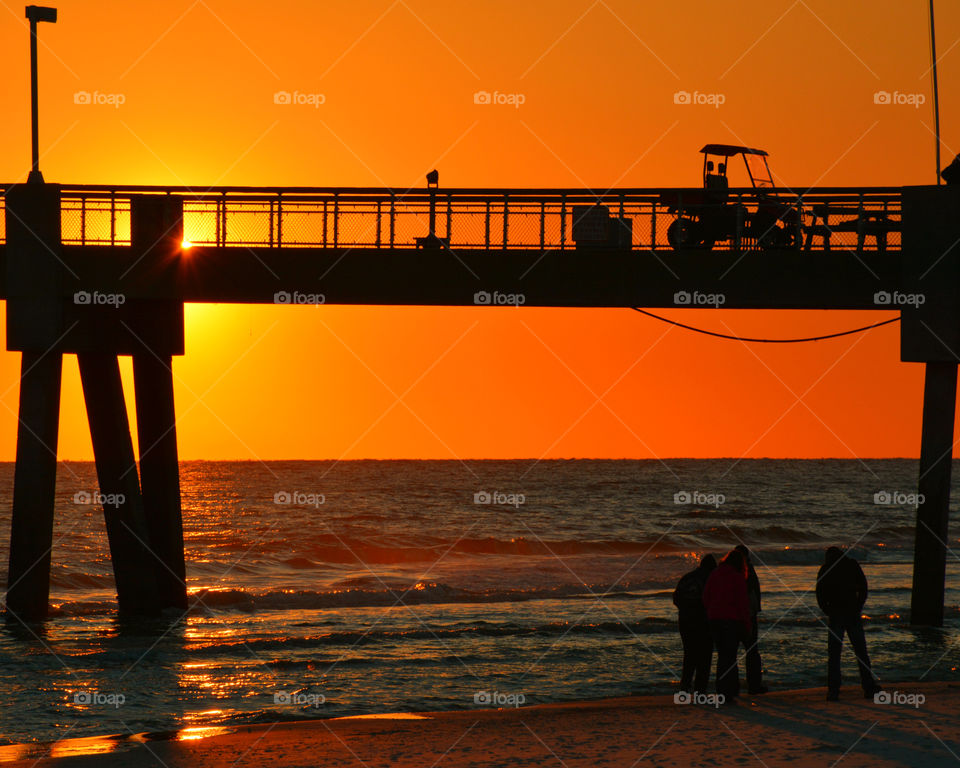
<point>763,341</point>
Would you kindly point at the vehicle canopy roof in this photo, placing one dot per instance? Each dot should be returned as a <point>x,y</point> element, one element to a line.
<point>726,150</point>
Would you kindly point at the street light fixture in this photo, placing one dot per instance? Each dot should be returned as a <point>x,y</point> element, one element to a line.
<point>433,181</point>
<point>36,14</point>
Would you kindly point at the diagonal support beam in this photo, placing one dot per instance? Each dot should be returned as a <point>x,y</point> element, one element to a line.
<point>134,562</point>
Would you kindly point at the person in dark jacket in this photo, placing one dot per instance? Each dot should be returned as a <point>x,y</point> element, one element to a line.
<point>841,594</point>
<point>728,611</point>
<point>694,629</point>
<point>951,174</point>
<point>751,645</point>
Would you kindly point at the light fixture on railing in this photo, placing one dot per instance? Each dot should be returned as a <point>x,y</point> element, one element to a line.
<point>433,181</point>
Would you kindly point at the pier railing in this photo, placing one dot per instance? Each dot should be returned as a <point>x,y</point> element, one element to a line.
<point>528,219</point>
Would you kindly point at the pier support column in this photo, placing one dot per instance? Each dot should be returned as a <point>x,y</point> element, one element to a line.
<point>936,456</point>
<point>930,334</point>
<point>33,282</point>
<point>156,334</point>
<point>160,473</point>
<point>34,486</point>
<point>134,562</point>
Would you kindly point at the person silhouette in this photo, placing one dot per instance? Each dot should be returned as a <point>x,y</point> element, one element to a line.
<point>694,628</point>
<point>752,661</point>
<point>951,174</point>
<point>728,611</point>
<point>715,195</point>
<point>715,181</point>
<point>841,595</point>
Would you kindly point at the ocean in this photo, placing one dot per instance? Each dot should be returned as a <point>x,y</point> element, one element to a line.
<point>325,589</point>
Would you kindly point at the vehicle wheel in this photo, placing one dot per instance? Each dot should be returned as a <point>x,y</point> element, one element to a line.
<point>684,233</point>
<point>788,238</point>
<point>778,237</point>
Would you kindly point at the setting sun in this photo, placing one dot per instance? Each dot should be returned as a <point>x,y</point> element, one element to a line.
<point>306,106</point>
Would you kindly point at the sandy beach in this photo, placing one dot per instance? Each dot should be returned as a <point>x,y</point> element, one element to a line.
<point>781,728</point>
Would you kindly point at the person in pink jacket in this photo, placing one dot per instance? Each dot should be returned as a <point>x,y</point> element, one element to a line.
<point>728,612</point>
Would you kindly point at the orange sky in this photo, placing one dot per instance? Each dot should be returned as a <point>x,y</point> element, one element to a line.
<point>198,78</point>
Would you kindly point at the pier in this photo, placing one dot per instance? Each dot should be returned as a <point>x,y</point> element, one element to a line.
<point>103,271</point>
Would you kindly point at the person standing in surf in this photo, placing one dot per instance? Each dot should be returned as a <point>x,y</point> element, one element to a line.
<point>841,595</point>
<point>752,661</point>
<point>694,627</point>
<point>728,611</point>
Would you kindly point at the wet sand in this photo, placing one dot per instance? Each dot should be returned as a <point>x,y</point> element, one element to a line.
<point>796,728</point>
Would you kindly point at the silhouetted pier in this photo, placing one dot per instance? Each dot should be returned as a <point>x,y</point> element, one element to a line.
<point>102,271</point>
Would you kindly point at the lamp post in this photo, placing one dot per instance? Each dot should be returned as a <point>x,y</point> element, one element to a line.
<point>936,92</point>
<point>36,14</point>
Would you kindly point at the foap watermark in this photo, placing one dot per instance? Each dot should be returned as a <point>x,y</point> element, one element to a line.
<point>699,498</point>
<point>98,99</point>
<point>515,100</point>
<point>899,698</point>
<point>898,299</point>
<point>498,699</point>
<point>284,699</point>
<point>99,699</point>
<point>97,299</point>
<point>497,299</point>
<point>711,699</point>
<point>296,297</point>
<point>499,498</point>
<point>698,299</point>
<point>103,499</point>
<point>885,98</point>
<point>299,498</point>
<point>715,100</point>
<point>299,99</point>
<point>898,499</point>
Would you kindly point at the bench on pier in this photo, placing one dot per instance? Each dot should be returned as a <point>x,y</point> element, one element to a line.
<point>866,223</point>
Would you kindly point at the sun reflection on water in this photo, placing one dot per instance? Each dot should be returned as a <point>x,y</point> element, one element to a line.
<point>197,732</point>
